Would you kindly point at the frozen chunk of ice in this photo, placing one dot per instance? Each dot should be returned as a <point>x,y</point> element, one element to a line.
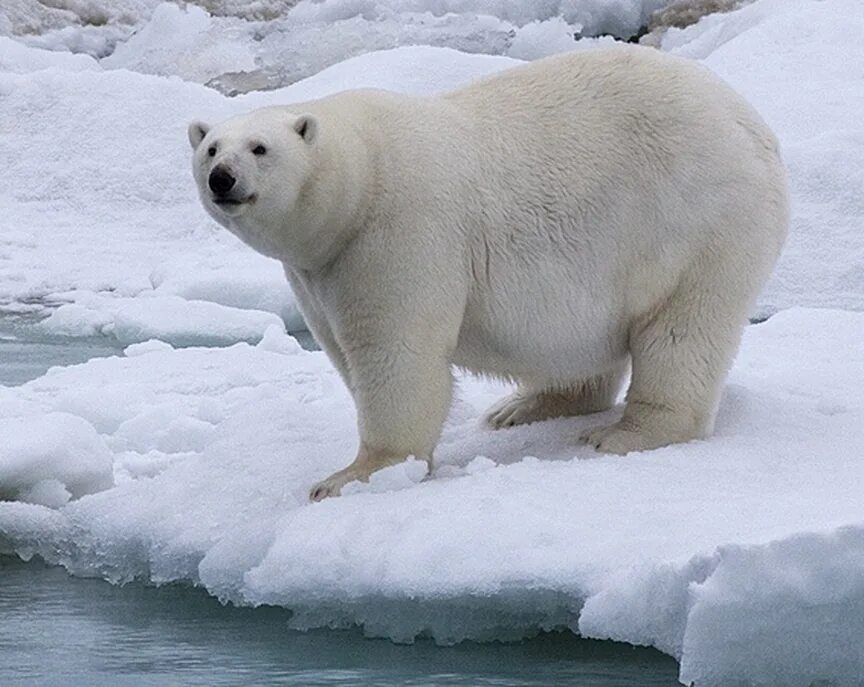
<point>49,458</point>
<point>167,318</point>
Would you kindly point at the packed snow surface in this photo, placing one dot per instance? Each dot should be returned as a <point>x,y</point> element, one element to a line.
<point>742,555</point>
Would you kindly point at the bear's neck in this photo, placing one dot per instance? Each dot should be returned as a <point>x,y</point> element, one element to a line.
<point>332,206</point>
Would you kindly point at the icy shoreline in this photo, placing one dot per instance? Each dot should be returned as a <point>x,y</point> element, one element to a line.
<point>693,549</point>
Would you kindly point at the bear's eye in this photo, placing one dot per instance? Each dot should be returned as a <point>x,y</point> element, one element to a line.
<point>211,151</point>
<point>259,150</point>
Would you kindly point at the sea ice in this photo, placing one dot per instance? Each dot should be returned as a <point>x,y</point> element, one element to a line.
<point>117,210</point>
<point>16,58</point>
<point>306,36</point>
<point>186,42</point>
<point>751,537</point>
<point>52,457</point>
<point>154,316</point>
<point>740,555</point>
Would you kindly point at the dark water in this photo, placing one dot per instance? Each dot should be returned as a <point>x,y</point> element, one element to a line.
<point>56,630</point>
<point>26,353</point>
<point>59,630</point>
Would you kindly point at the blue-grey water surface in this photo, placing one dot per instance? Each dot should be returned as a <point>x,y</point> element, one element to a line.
<point>60,630</point>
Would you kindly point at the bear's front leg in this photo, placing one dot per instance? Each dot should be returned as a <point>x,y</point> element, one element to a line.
<point>368,460</point>
<point>402,399</point>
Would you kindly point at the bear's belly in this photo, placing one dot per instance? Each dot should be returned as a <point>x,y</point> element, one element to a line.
<point>532,336</point>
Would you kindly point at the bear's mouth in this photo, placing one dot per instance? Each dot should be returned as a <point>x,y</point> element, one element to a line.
<point>228,202</point>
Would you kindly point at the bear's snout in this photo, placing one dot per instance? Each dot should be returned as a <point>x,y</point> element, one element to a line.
<point>221,181</point>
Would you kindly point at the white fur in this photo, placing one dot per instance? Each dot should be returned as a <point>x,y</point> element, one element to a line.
<point>549,224</point>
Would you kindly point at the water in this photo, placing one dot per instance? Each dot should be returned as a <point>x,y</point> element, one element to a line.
<point>25,353</point>
<point>59,630</point>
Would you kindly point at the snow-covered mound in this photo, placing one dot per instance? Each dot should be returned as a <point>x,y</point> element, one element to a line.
<point>732,554</point>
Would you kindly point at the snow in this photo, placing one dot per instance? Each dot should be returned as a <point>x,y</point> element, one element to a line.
<point>695,549</point>
<point>401,476</point>
<point>255,285</point>
<point>807,85</point>
<point>49,458</point>
<point>741,555</point>
<point>172,319</point>
<point>117,212</point>
<point>792,587</point>
<point>301,38</point>
<point>188,43</point>
<point>16,58</point>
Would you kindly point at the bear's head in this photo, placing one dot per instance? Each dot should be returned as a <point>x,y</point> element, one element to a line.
<point>251,170</point>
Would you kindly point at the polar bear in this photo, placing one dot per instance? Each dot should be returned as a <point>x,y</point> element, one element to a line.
<point>554,225</point>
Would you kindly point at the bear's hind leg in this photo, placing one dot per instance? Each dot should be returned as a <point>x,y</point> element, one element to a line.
<point>681,355</point>
<point>528,404</point>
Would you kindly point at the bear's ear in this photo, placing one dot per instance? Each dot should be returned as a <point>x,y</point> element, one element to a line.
<point>306,127</point>
<point>197,132</point>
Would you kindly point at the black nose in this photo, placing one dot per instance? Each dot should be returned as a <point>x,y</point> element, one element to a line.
<point>220,181</point>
